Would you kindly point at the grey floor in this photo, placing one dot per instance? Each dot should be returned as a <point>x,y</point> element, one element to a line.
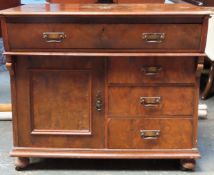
<point>4,87</point>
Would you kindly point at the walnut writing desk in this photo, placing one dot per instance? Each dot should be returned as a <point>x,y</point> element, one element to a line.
<point>105,81</point>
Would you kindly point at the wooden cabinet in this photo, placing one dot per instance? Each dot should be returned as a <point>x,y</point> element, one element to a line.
<point>116,81</point>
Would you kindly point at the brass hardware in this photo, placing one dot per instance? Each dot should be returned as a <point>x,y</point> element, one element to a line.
<point>54,37</point>
<point>151,70</point>
<point>150,101</point>
<point>150,134</point>
<point>153,37</point>
<point>99,101</point>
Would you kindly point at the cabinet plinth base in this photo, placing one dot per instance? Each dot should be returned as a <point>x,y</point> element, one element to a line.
<point>106,153</point>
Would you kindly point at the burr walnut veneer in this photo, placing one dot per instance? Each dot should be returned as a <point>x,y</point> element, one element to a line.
<point>105,81</point>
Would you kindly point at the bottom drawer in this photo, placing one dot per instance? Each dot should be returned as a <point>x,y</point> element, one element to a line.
<point>150,133</point>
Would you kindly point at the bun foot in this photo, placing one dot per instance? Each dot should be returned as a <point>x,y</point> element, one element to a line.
<point>21,163</point>
<point>188,164</point>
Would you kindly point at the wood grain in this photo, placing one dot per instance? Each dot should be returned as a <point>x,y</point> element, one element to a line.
<point>119,67</point>
<point>106,153</point>
<point>106,10</point>
<point>119,137</point>
<point>181,37</point>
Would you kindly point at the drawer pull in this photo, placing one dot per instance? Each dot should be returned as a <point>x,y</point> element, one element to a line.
<point>153,37</point>
<point>54,37</point>
<point>151,70</point>
<point>150,134</point>
<point>150,101</point>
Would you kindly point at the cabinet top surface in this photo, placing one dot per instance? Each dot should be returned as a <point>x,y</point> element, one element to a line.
<point>105,9</point>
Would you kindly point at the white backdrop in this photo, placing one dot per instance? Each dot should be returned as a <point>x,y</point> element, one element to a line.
<point>210,39</point>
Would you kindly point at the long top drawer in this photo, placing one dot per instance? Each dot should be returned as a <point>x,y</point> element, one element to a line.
<point>129,27</point>
<point>147,37</point>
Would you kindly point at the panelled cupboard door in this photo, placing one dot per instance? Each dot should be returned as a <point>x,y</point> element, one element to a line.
<point>60,101</point>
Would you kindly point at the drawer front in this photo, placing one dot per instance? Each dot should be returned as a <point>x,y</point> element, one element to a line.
<point>150,101</point>
<point>149,37</point>
<point>151,70</point>
<point>150,133</point>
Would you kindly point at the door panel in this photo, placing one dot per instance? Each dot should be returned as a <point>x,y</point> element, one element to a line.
<point>61,94</point>
<point>67,101</point>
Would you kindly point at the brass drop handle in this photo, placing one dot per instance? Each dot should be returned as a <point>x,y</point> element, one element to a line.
<point>151,70</point>
<point>99,101</point>
<point>150,101</point>
<point>54,37</point>
<point>153,37</point>
<point>150,134</point>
